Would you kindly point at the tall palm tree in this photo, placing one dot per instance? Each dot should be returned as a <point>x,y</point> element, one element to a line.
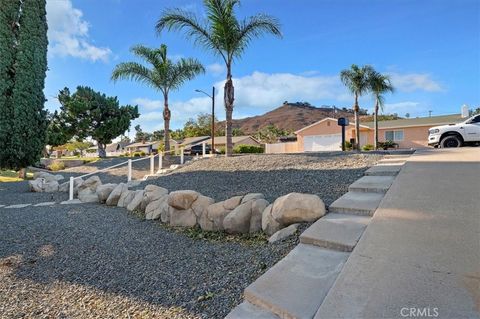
<point>379,84</point>
<point>161,74</point>
<point>224,35</point>
<point>356,79</point>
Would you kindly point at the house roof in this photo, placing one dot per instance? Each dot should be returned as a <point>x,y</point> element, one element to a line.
<point>235,139</point>
<point>140,144</point>
<point>194,140</point>
<point>327,119</point>
<point>418,121</point>
<point>115,146</point>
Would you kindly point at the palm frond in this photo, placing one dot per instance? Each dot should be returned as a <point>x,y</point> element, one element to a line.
<point>134,71</point>
<point>255,27</point>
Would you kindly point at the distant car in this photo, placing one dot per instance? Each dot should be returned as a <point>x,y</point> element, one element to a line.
<point>456,135</point>
<point>198,150</point>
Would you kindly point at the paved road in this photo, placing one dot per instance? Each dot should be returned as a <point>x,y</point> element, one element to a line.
<point>420,256</point>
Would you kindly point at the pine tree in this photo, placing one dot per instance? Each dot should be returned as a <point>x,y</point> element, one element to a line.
<point>24,57</point>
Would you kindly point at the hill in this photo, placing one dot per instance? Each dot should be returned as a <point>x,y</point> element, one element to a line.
<point>290,116</point>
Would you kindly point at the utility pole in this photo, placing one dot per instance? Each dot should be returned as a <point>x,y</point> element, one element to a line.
<point>213,114</point>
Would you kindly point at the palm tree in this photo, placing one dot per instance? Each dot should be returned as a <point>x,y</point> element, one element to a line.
<point>356,79</point>
<point>379,84</point>
<point>224,35</point>
<point>162,74</point>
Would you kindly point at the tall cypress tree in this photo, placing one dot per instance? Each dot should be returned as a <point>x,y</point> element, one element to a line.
<point>23,119</point>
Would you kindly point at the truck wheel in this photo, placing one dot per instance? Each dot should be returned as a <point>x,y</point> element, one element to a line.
<point>450,141</point>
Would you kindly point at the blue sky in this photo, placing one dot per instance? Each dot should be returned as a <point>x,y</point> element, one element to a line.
<point>430,48</point>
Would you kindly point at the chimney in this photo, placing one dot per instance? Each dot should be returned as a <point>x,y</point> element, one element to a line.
<point>465,111</point>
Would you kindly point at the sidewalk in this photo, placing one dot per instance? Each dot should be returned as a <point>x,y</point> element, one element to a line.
<point>420,255</point>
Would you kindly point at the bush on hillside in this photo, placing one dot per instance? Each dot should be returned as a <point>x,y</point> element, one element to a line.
<point>244,149</point>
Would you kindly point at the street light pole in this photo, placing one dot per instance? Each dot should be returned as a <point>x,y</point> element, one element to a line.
<point>213,114</point>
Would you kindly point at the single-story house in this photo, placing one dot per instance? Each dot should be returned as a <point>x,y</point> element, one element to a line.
<point>190,141</point>
<point>221,141</point>
<point>115,149</point>
<point>325,135</point>
<point>146,147</point>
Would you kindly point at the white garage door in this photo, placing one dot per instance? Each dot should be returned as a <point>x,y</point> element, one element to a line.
<point>318,143</point>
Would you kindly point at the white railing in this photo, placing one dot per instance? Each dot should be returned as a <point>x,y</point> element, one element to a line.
<point>129,165</point>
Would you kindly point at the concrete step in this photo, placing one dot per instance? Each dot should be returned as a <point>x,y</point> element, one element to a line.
<point>403,156</point>
<point>357,203</point>
<point>383,170</point>
<point>392,161</point>
<point>336,231</point>
<point>246,310</point>
<point>372,184</point>
<point>296,286</point>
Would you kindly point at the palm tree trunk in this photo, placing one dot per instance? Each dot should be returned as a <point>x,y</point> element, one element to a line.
<point>375,121</point>
<point>357,124</point>
<point>101,150</point>
<point>228,98</point>
<point>166,119</point>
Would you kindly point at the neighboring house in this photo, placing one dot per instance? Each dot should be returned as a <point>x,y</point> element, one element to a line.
<point>221,141</point>
<point>190,141</point>
<point>116,149</point>
<point>146,147</point>
<point>325,135</point>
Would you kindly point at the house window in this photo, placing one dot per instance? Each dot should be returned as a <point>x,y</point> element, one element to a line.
<point>395,136</point>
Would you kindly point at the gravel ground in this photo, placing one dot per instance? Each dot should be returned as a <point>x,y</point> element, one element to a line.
<point>328,175</point>
<point>93,261</point>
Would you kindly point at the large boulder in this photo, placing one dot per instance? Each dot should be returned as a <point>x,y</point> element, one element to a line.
<point>114,196</point>
<point>41,185</point>
<point>91,183</point>
<point>238,220</point>
<point>252,196</point>
<point>200,206</point>
<point>182,217</point>
<point>295,208</point>
<point>65,187</point>
<point>88,196</point>
<point>269,224</point>
<point>212,218</point>
<point>136,201</point>
<point>104,190</point>
<point>183,199</point>
<point>258,206</point>
<point>232,203</point>
<point>50,186</point>
<point>126,198</point>
<point>58,177</point>
<point>47,176</point>
<point>152,193</point>
<point>158,208</point>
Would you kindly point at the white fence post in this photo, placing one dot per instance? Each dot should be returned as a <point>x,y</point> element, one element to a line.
<point>160,160</point>
<point>204,149</point>
<point>152,164</point>
<point>70,197</point>
<point>129,178</point>
<point>181,156</point>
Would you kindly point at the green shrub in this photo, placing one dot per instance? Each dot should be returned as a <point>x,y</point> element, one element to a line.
<point>136,154</point>
<point>142,153</point>
<point>56,166</point>
<point>243,149</point>
<point>222,150</point>
<point>348,146</point>
<point>367,147</point>
<point>387,144</point>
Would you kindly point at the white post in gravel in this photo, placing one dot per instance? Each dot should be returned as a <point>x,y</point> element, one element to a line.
<point>204,149</point>
<point>129,176</point>
<point>70,195</point>
<point>152,164</point>
<point>160,161</point>
<point>181,156</point>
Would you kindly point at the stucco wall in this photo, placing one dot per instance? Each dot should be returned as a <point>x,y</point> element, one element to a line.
<point>413,137</point>
<point>325,127</point>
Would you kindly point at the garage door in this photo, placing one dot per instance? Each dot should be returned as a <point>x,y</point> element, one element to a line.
<point>319,143</point>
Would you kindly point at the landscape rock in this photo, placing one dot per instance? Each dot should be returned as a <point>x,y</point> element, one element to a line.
<point>58,177</point>
<point>155,208</point>
<point>64,187</point>
<point>296,207</point>
<point>238,220</point>
<point>88,196</point>
<point>103,191</point>
<point>40,174</point>
<point>126,198</point>
<point>232,203</point>
<point>136,201</point>
<point>283,233</point>
<point>252,196</point>
<point>114,196</point>
<point>36,185</point>
<point>258,206</point>
<point>133,183</point>
<point>92,183</point>
<point>201,204</point>
<point>269,225</point>
<point>212,218</point>
<point>183,199</point>
<point>50,187</point>
<point>152,193</point>
<point>182,218</point>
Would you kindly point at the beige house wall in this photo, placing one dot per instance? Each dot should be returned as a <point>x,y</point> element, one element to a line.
<point>325,127</point>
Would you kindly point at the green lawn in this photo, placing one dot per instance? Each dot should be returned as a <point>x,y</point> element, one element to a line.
<point>12,176</point>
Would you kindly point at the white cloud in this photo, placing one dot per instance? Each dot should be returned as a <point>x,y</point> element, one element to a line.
<point>401,108</point>
<point>216,69</point>
<point>148,104</point>
<point>68,33</point>
<point>415,81</point>
<point>151,116</point>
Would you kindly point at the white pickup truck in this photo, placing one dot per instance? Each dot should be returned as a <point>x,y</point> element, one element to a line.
<point>456,135</point>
